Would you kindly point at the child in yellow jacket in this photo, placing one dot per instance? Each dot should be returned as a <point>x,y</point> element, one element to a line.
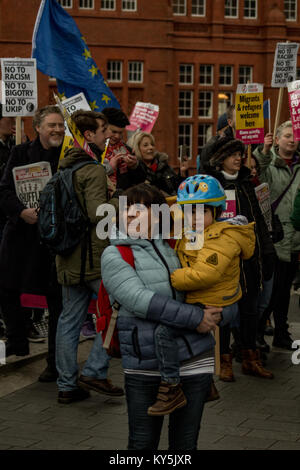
<point>209,275</point>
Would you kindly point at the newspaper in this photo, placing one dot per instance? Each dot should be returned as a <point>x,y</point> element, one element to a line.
<point>30,181</point>
<point>263,196</point>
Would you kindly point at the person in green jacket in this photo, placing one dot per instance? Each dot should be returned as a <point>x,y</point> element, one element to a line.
<point>90,185</point>
<point>280,168</point>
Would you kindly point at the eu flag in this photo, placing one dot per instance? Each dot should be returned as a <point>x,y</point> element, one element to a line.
<point>61,52</point>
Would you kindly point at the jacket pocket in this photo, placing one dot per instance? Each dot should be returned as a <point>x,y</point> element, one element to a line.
<point>135,343</point>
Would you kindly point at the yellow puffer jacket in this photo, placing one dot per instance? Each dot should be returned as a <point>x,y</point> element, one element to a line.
<point>211,275</point>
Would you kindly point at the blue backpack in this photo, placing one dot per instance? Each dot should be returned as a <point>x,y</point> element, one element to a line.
<point>63,222</point>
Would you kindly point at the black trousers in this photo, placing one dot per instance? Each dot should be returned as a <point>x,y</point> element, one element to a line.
<point>16,318</point>
<point>280,300</point>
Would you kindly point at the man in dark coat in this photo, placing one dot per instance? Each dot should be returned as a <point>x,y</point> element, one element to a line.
<point>25,264</point>
<point>222,131</point>
<point>7,141</point>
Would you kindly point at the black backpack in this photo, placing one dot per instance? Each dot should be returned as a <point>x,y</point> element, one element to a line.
<point>63,222</point>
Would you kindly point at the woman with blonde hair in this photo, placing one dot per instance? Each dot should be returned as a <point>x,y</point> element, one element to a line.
<point>155,164</point>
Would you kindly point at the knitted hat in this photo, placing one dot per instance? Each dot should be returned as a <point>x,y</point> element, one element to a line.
<point>222,122</point>
<point>223,148</point>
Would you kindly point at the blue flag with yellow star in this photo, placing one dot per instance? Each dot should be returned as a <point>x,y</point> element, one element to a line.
<point>61,52</point>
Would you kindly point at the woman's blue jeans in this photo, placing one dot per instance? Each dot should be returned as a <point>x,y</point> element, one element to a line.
<point>184,423</point>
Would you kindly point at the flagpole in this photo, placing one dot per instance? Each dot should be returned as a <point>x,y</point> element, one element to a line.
<point>37,24</point>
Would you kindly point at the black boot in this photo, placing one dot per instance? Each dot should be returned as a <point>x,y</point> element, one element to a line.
<point>282,339</point>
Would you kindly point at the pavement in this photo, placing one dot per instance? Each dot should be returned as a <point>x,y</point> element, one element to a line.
<point>252,413</point>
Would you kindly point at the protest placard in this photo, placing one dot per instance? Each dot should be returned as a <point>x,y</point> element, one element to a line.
<point>73,104</point>
<point>30,181</point>
<point>249,113</point>
<point>143,117</point>
<point>79,140</point>
<point>294,103</point>
<point>230,210</point>
<point>263,196</point>
<point>285,64</point>
<point>19,87</point>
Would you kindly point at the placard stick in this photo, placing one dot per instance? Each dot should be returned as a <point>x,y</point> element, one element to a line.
<point>18,130</point>
<point>269,116</point>
<point>217,351</point>
<point>278,111</point>
<point>249,153</point>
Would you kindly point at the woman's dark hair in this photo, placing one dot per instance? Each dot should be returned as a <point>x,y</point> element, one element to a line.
<point>148,196</point>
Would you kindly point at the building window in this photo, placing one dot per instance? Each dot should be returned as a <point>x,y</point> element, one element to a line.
<point>231,9</point>
<point>298,73</point>
<point>179,7</point>
<point>186,74</point>
<point>198,7</point>
<point>114,71</point>
<point>185,104</point>
<point>135,72</point>
<point>108,4</point>
<point>224,101</point>
<point>290,10</point>
<point>250,9</point>
<point>86,4</point>
<point>245,74</point>
<point>205,104</point>
<point>185,137</point>
<point>204,134</point>
<point>225,75</point>
<point>206,75</point>
<point>66,3</point>
<point>129,5</point>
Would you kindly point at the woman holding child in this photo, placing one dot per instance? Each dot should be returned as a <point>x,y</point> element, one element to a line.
<point>148,299</point>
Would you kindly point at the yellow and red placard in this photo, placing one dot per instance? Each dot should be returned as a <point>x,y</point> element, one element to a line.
<point>249,113</point>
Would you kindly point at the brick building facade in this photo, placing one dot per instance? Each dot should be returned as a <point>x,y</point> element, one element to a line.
<point>187,56</point>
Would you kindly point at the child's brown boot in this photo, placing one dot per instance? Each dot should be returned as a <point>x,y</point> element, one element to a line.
<point>169,398</point>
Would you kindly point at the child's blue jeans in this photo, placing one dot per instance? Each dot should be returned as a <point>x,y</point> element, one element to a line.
<point>167,350</point>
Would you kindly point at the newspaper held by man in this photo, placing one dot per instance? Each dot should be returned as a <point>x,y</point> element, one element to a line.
<point>30,181</point>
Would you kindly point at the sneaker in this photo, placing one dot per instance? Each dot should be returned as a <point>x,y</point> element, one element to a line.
<point>169,398</point>
<point>88,330</point>
<point>73,395</point>
<point>42,327</point>
<point>100,385</point>
<point>48,375</point>
<point>34,336</point>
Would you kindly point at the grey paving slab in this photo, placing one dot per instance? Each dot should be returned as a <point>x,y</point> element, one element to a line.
<point>251,414</point>
<point>284,445</point>
<point>245,442</point>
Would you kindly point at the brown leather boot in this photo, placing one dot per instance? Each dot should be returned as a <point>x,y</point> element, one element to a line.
<point>252,365</point>
<point>169,398</point>
<point>226,373</point>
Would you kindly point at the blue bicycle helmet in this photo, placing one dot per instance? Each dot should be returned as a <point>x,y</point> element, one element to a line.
<point>201,189</point>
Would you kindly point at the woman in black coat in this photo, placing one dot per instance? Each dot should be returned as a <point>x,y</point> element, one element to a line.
<point>154,164</point>
<point>226,166</point>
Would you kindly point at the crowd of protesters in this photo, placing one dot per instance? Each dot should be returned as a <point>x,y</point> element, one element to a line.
<point>239,280</point>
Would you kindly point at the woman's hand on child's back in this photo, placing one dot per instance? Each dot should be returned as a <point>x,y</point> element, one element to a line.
<point>211,318</point>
